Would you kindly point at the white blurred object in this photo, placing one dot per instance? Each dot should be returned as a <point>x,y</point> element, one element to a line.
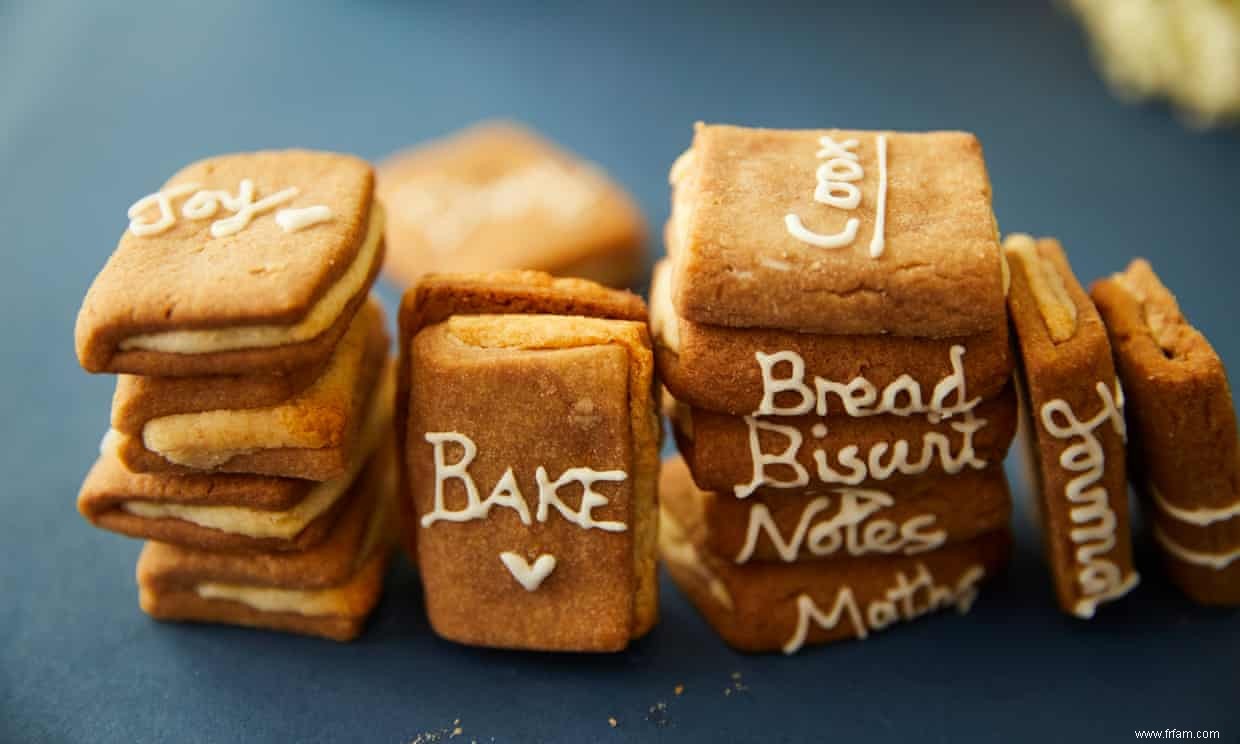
<point>1184,50</point>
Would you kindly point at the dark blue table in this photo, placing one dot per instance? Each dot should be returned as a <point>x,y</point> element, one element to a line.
<point>98,105</point>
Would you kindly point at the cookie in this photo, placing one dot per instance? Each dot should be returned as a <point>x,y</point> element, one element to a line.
<point>497,196</point>
<point>312,435</point>
<point>833,231</point>
<point>758,371</point>
<point>440,296</point>
<point>532,454</point>
<point>326,591</point>
<point>252,263</point>
<point>847,521</point>
<point>225,512</point>
<point>1074,404</point>
<point>746,455</point>
<point>762,607</point>
<point>1182,422</point>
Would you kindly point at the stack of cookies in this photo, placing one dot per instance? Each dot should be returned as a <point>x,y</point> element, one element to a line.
<point>831,331</point>
<point>249,439</point>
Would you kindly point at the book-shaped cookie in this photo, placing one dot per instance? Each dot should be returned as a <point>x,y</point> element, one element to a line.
<point>167,428</point>
<point>1075,431</point>
<point>833,231</point>
<point>532,452</point>
<point>240,264</point>
<point>744,455</point>
<point>497,196</point>
<point>765,606</point>
<point>846,521</point>
<point>226,512</point>
<point>327,591</point>
<point>1182,425</point>
<point>760,371</point>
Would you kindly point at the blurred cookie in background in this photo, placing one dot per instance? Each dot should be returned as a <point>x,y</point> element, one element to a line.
<point>498,196</point>
<point>1187,51</point>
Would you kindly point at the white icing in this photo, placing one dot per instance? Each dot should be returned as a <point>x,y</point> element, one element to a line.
<point>530,577</point>
<point>898,603</point>
<point>844,530</point>
<point>1201,517</point>
<point>1215,561</point>
<point>856,467</point>
<point>292,220</point>
<point>1099,578</point>
<point>506,492</point>
<point>205,203</point>
<point>860,397</point>
<point>836,186</point>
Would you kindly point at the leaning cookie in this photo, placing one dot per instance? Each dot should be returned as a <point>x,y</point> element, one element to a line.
<point>764,606</point>
<point>766,371</point>
<point>772,456</point>
<point>497,196</point>
<point>226,512</point>
<point>326,591</point>
<point>846,521</point>
<point>312,435</point>
<point>1183,425</point>
<point>241,264</point>
<point>1076,423</point>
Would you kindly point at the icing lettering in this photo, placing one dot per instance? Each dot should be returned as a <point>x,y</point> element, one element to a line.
<point>854,467</point>
<point>203,204</point>
<point>529,577</point>
<point>783,374</point>
<point>507,494</point>
<point>907,600</point>
<point>847,530</point>
<point>837,187</point>
<point>1201,517</point>
<point>1100,579</point>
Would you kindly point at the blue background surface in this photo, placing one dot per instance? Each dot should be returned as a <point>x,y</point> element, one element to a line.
<point>100,102</point>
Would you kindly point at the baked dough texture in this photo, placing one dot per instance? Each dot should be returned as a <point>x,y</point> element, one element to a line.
<point>498,196</point>
<point>736,263</point>
<point>185,302</point>
<point>1182,429</point>
<point>1075,434</point>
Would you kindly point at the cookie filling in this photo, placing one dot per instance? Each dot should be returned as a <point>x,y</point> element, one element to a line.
<point>321,317</point>
<point>675,547</point>
<point>1049,291</point>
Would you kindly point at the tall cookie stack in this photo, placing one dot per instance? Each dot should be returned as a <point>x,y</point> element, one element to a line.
<point>250,425</point>
<point>832,332</point>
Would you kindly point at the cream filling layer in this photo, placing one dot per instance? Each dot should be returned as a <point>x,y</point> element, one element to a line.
<point>1202,517</point>
<point>321,317</point>
<point>663,320</point>
<point>258,523</point>
<point>1215,561</point>
<point>674,547</point>
<point>206,439</point>
<point>1050,293</point>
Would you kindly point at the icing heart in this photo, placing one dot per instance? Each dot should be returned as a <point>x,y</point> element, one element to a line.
<point>530,577</point>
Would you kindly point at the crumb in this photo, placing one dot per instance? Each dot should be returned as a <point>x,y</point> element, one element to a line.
<point>736,675</point>
<point>611,721</point>
<point>679,689</point>
<point>455,732</point>
<point>727,691</point>
<point>658,714</point>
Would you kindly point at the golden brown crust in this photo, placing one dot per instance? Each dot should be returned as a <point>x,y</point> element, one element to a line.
<point>529,392</point>
<point>737,264</point>
<point>497,196</point>
<point>718,450</point>
<point>1074,375</point>
<point>757,607</point>
<point>922,515</point>
<point>341,416</point>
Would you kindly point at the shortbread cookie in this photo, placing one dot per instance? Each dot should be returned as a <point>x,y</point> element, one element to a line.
<point>326,591</point>
<point>241,264</point>
<point>1076,427</point>
<point>497,196</point>
<point>532,447</point>
<point>760,371</point>
<point>312,435</point>
<point>744,455</point>
<point>1183,427</point>
<point>226,512</point>
<point>848,521</point>
<point>761,607</point>
<point>832,231</point>
<point>440,296</point>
